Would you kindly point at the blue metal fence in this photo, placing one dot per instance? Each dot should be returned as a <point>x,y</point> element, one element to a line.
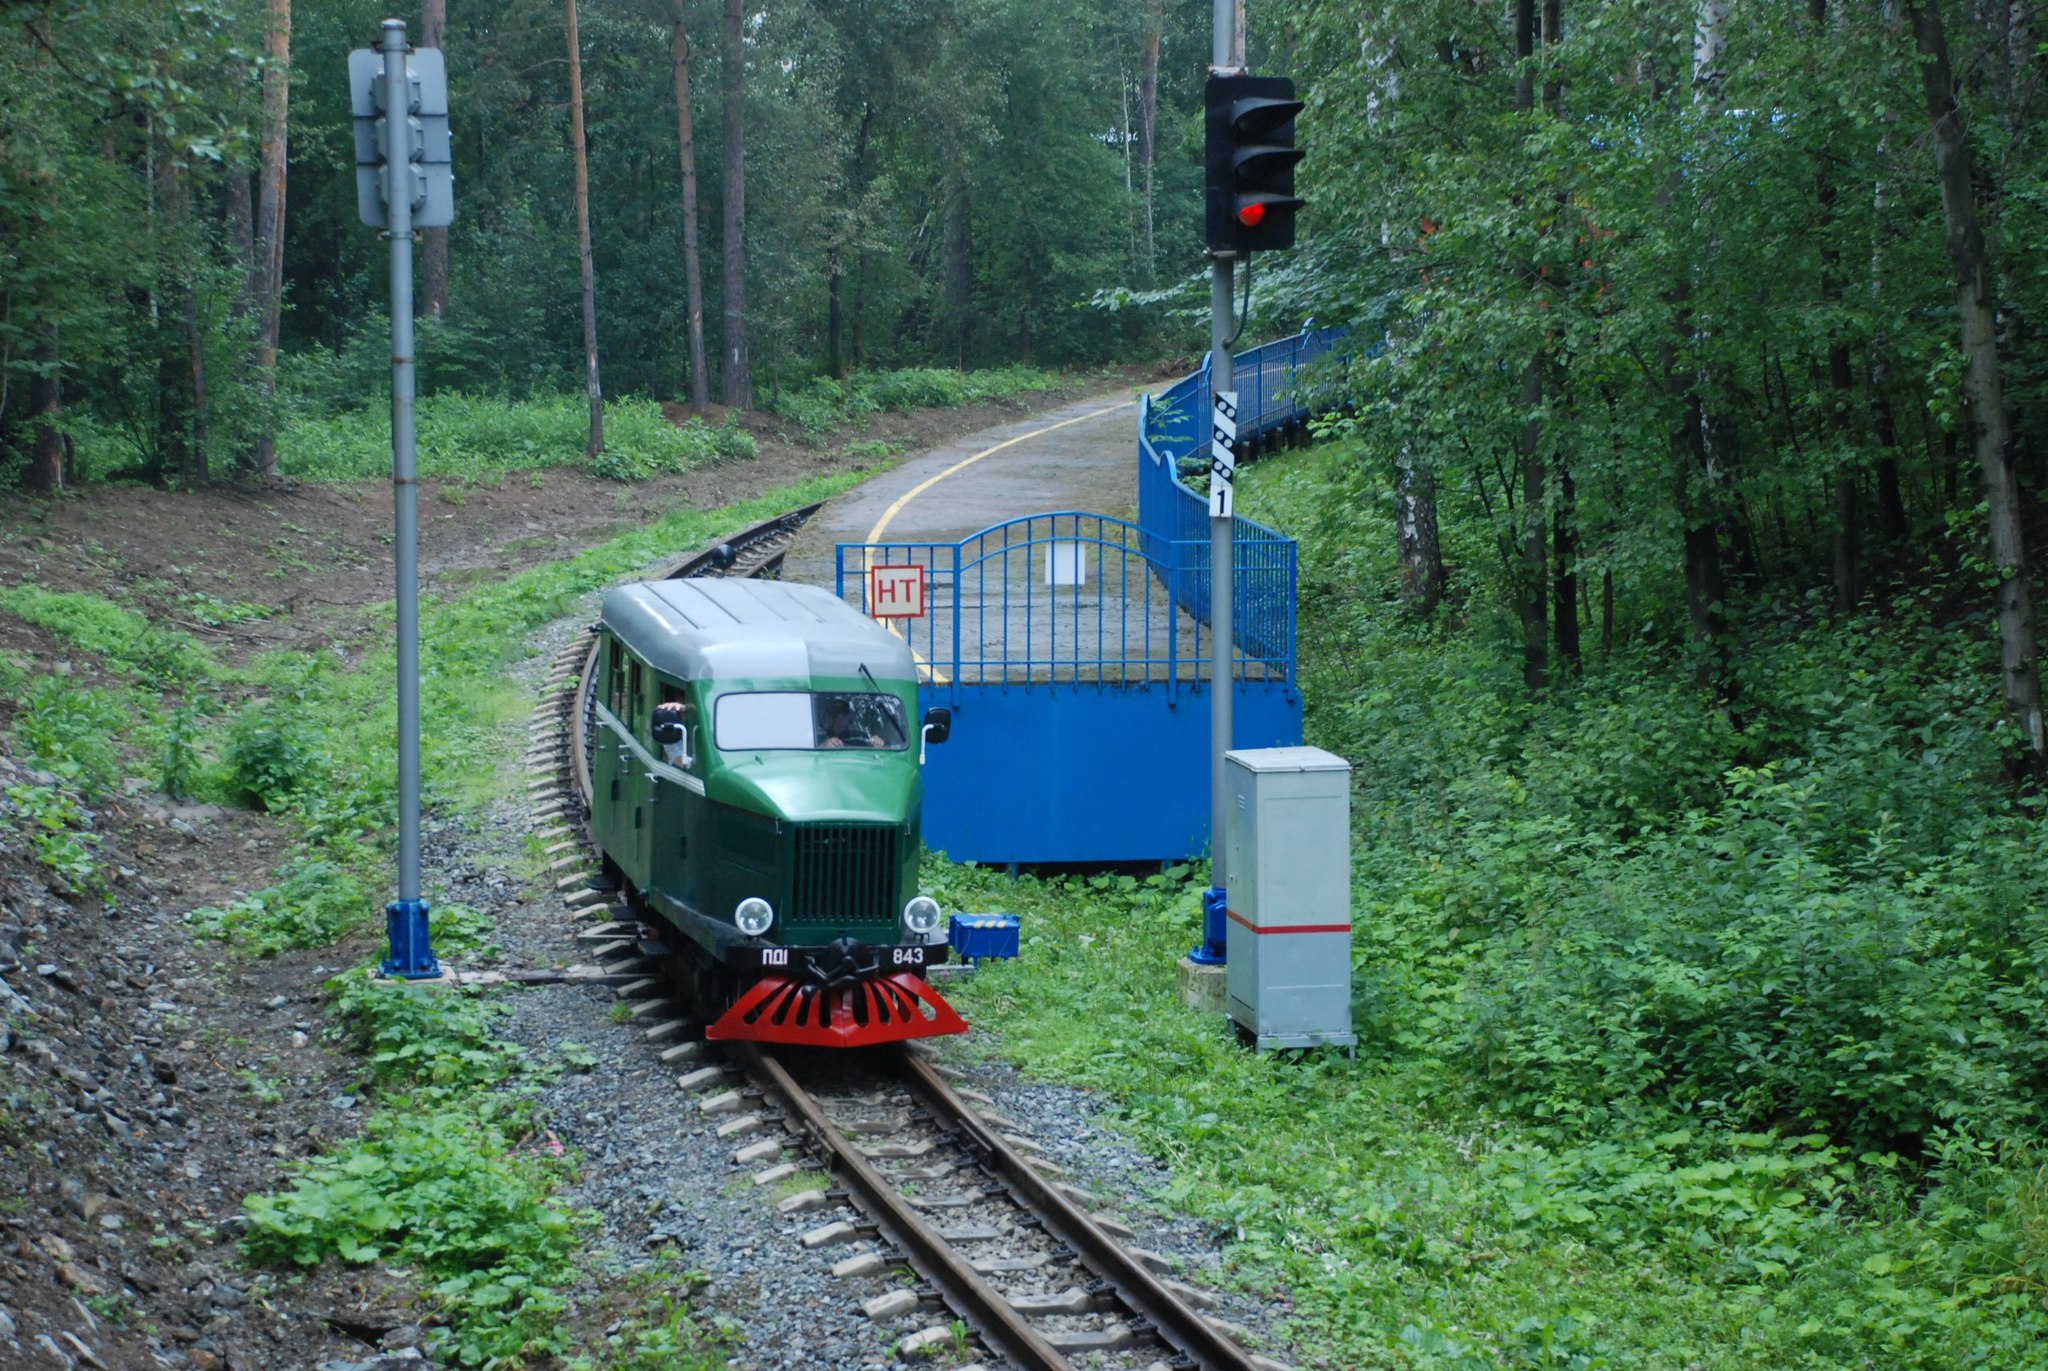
<point>1069,645</point>
<point>1173,428</point>
<point>1071,597</point>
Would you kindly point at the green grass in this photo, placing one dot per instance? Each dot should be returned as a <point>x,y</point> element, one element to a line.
<point>126,639</point>
<point>474,437</point>
<point>827,404</point>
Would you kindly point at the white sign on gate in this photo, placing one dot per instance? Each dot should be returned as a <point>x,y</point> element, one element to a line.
<point>896,592</point>
<point>1223,456</point>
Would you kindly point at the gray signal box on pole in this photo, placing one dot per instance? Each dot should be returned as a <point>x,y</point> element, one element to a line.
<point>425,169</point>
<point>1289,851</point>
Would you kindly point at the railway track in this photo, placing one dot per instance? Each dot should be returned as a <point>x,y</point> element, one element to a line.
<point>930,1180</point>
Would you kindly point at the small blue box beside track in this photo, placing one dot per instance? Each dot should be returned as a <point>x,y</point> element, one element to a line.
<point>1075,653</point>
<point>974,936</point>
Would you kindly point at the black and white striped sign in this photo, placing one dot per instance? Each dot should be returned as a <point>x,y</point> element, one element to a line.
<point>1223,456</point>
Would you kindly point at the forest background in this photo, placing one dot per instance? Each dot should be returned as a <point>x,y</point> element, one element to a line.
<point>1668,564</point>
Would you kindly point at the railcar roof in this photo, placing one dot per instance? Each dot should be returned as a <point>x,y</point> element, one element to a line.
<point>742,629</point>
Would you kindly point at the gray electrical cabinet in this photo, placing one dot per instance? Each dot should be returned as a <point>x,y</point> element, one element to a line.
<point>1288,850</point>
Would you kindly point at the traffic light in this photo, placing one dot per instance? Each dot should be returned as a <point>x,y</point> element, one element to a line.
<point>1251,157</point>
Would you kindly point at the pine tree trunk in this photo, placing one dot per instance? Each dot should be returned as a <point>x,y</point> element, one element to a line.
<point>185,393</point>
<point>168,451</point>
<point>580,156</point>
<point>1148,129</point>
<point>960,257</point>
<point>693,249</point>
<point>269,255</point>
<point>1696,480</point>
<point>835,316</point>
<point>1533,582</point>
<point>46,406</point>
<point>241,214</point>
<point>1848,531</point>
<point>1565,542</point>
<point>1983,393</point>
<point>736,376</point>
<point>1534,579</point>
<point>195,351</point>
<point>434,241</point>
<point>1891,501</point>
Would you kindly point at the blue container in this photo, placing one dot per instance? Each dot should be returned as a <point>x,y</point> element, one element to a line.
<point>974,936</point>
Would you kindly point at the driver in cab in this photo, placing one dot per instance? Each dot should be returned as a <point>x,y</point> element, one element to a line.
<point>840,730</point>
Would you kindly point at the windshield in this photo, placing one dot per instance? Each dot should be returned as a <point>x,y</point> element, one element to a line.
<point>800,721</point>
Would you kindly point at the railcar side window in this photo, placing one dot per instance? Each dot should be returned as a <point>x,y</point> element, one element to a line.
<point>785,721</point>
<point>615,678</point>
<point>669,727</point>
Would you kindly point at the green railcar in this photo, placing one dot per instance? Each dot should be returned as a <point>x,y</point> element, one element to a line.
<point>754,751</point>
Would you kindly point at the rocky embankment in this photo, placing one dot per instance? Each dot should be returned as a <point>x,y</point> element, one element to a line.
<point>147,1082</point>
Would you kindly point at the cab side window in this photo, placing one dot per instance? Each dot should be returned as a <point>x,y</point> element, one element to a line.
<point>615,677</point>
<point>670,726</point>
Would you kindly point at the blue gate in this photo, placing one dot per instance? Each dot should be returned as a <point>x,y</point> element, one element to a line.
<point>1075,652</point>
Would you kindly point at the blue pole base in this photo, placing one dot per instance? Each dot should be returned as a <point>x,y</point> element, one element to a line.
<point>412,951</point>
<point>1215,911</point>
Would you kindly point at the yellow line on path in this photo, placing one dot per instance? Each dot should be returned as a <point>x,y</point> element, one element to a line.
<point>939,677</point>
<point>889,514</point>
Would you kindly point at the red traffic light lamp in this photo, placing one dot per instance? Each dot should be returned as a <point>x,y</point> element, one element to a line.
<point>1251,156</point>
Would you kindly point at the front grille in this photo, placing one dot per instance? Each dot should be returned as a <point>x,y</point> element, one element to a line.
<point>844,873</point>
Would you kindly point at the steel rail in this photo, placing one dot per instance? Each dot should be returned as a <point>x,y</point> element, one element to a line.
<point>1000,1327</point>
<point>753,551</point>
<point>1141,1292</point>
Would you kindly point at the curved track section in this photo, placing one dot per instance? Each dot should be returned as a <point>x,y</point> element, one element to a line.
<point>944,1188</point>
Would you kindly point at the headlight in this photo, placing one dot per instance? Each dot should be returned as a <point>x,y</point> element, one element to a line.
<point>753,916</point>
<point>921,915</point>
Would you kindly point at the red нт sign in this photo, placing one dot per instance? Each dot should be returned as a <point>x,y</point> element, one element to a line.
<point>896,592</point>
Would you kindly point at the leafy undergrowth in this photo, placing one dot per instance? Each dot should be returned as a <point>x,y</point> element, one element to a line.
<point>454,1177</point>
<point>1682,1044</point>
<point>469,437</point>
<point>445,1179</point>
<point>1412,1226</point>
<point>826,404</point>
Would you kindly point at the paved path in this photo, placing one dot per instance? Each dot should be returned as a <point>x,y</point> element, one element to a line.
<point>1082,455</point>
<point>1069,599</point>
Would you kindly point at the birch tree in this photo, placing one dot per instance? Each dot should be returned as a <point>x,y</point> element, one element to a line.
<point>1990,425</point>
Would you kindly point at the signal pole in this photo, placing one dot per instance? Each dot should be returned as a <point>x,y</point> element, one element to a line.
<point>1226,58</point>
<point>407,915</point>
<point>399,104</point>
